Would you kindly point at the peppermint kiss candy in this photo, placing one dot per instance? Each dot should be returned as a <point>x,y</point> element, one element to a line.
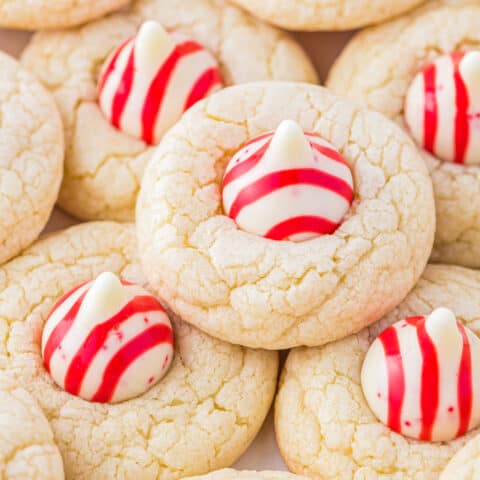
<point>442,108</point>
<point>421,377</point>
<point>107,340</point>
<point>151,79</point>
<point>287,185</point>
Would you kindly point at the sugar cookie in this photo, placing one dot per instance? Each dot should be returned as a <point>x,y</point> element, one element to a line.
<point>276,294</point>
<point>323,423</point>
<point>31,157</point>
<point>383,64</point>
<point>229,474</point>
<point>27,447</point>
<point>49,14</point>
<point>211,403</point>
<point>465,465</point>
<point>104,166</point>
<point>325,15</point>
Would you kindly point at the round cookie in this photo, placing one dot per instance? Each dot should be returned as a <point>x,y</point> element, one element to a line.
<point>27,447</point>
<point>201,416</point>
<point>31,157</point>
<point>48,14</point>
<point>325,15</point>
<point>376,70</point>
<point>103,171</point>
<point>465,465</point>
<point>323,424</point>
<point>265,293</point>
<point>230,474</point>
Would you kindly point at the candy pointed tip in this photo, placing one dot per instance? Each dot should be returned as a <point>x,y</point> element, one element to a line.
<point>153,42</point>
<point>442,323</point>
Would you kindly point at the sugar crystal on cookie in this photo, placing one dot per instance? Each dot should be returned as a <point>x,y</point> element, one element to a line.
<point>107,340</point>
<point>151,79</point>
<point>287,185</point>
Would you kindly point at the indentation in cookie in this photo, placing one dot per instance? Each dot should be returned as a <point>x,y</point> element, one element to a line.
<point>442,107</point>
<point>151,79</point>
<point>420,377</point>
<point>107,340</point>
<point>287,185</point>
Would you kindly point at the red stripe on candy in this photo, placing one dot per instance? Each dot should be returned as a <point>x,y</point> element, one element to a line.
<point>284,178</point>
<point>329,152</point>
<point>258,138</point>
<point>96,338</point>
<point>462,125</point>
<point>209,79</point>
<point>245,166</point>
<point>431,108</point>
<point>430,393</point>
<point>304,224</point>
<point>156,92</point>
<point>396,377</point>
<point>122,360</point>
<point>123,91</point>
<point>60,331</point>
<point>465,387</point>
<point>111,67</point>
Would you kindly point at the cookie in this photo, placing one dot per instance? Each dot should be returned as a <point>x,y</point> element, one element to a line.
<point>31,159</point>
<point>104,166</point>
<point>255,291</point>
<point>230,474</point>
<point>27,447</point>
<point>323,423</point>
<point>465,465</point>
<point>379,68</point>
<point>49,14</point>
<point>202,415</point>
<point>324,15</point>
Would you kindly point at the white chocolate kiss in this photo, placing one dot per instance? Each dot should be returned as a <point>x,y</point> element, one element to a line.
<point>298,205</point>
<point>138,341</point>
<point>149,81</point>
<point>449,85</point>
<point>395,384</point>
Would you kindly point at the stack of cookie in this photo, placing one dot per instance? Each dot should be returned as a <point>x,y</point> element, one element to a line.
<point>232,208</point>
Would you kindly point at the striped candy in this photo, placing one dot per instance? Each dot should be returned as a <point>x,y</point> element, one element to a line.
<point>151,79</point>
<point>421,377</point>
<point>107,340</point>
<point>442,108</point>
<point>287,185</point>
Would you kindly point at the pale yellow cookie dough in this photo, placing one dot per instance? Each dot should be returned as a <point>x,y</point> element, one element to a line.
<point>48,14</point>
<point>31,157</point>
<point>326,14</point>
<point>465,465</point>
<point>27,447</point>
<point>200,417</point>
<point>229,474</point>
<point>103,166</point>
<point>262,293</point>
<point>376,69</point>
<point>323,424</point>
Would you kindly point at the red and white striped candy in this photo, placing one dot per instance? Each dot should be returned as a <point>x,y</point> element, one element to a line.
<point>107,340</point>
<point>442,108</point>
<point>421,377</point>
<point>287,185</point>
<point>151,79</point>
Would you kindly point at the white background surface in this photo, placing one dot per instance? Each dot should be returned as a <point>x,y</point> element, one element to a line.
<point>323,48</point>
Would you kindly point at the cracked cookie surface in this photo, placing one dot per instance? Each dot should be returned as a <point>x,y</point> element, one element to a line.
<point>103,171</point>
<point>48,14</point>
<point>229,474</point>
<point>31,157</point>
<point>27,447</point>
<point>376,69</point>
<point>326,14</point>
<point>200,417</point>
<point>258,292</point>
<point>323,424</point>
<point>465,465</point>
